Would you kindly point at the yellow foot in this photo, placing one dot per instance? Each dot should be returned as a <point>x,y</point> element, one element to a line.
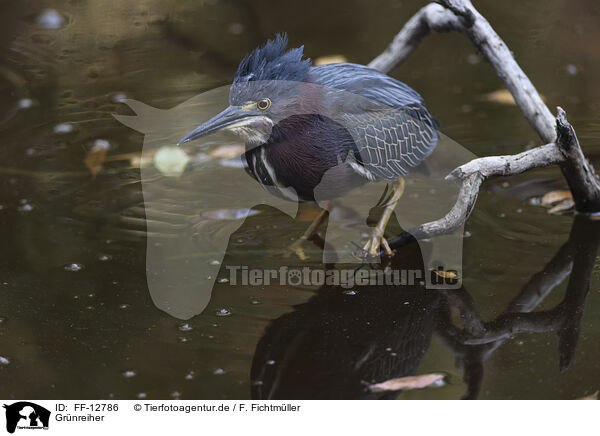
<point>297,249</point>
<point>375,242</point>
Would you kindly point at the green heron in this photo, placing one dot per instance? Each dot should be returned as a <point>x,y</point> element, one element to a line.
<point>302,124</point>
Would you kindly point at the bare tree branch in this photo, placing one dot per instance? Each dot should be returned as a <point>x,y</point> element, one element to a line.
<point>472,174</point>
<point>461,16</point>
<point>432,17</point>
<point>508,165</point>
<point>577,170</point>
<point>562,147</point>
<point>452,220</point>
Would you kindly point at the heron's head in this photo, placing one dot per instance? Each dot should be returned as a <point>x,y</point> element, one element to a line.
<point>265,90</point>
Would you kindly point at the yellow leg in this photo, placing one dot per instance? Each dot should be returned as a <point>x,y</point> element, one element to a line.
<point>314,226</point>
<point>296,247</point>
<point>377,239</point>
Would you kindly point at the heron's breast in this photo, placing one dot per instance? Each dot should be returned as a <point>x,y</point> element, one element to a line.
<point>306,153</point>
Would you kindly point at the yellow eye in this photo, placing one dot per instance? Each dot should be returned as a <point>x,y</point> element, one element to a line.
<point>263,104</point>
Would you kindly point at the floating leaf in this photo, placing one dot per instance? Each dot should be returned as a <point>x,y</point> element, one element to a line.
<point>227,152</point>
<point>171,161</point>
<point>593,396</point>
<point>96,156</point>
<point>562,206</point>
<point>445,274</point>
<point>331,59</point>
<point>411,382</point>
<point>552,197</point>
<point>561,200</point>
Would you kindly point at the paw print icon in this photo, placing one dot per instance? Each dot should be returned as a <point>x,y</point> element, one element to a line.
<point>294,277</point>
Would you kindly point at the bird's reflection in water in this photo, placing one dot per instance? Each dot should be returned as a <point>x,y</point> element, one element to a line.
<point>329,346</point>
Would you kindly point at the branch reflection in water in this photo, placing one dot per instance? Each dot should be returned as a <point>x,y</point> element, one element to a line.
<point>328,347</point>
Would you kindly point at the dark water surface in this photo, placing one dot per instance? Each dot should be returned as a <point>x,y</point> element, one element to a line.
<point>76,317</point>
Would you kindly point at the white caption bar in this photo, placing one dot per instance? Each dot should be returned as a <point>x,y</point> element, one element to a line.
<point>298,417</point>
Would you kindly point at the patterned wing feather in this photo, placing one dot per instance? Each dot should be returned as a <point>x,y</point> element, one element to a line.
<point>392,129</point>
<point>391,141</point>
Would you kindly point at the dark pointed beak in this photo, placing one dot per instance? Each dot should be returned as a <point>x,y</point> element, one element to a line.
<point>230,116</point>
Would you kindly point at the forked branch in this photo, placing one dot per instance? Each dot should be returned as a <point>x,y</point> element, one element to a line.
<point>562,147</point>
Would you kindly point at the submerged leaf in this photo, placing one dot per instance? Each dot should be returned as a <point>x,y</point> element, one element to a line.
<point>411,382</point>
<point>96,156</point>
